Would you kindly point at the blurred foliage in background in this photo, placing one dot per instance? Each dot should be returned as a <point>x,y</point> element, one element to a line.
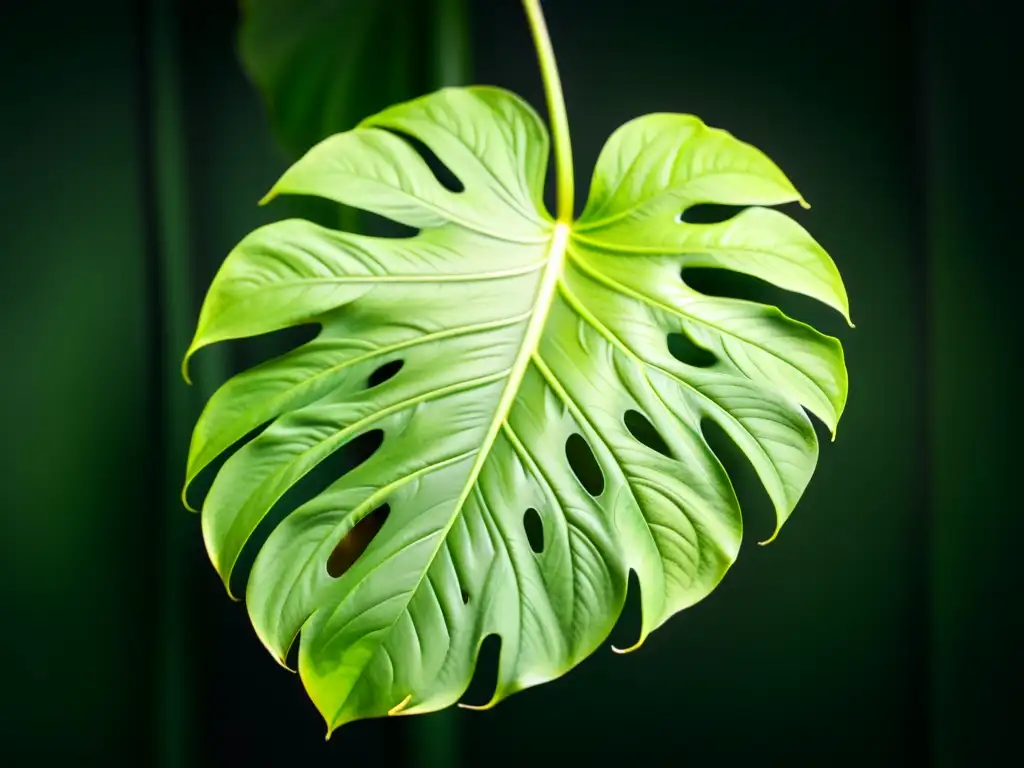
<point>323,65</point>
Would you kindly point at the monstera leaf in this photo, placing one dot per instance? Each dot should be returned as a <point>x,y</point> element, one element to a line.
<point>486,350</point>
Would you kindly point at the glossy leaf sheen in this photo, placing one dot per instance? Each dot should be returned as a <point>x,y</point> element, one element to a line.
<point>515,333</point>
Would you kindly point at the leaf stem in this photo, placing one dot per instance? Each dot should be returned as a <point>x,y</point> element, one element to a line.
<point>564,183</point>
<point>451,43</point>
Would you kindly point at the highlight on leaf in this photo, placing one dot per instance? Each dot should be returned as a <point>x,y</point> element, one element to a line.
<point>541,430</point>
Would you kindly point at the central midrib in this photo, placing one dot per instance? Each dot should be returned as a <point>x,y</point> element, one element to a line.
<point>531,338</point>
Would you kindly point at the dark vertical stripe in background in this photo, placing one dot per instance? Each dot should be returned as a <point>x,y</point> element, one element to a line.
<point>974,348</point>
<point>882,627</point>
<point>80,523</point>
<point>165,671</point>
<point>172,317</point>
<point>917,147</point>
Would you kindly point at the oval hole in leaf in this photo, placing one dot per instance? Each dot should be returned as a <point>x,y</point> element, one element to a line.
<point>584,464</point>
<point>463,589</point>
<point>685,350</point>
<point>709,213</point>
<point>534,530</point>
<point>444,175</point>
<point>355,542</point>
<point>312,484</point>
<point>627,627</point>
<point>485,673</point>
<point>640,427</point>
<point>384,373</point>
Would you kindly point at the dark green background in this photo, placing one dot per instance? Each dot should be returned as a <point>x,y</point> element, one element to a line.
<point>881,628</point>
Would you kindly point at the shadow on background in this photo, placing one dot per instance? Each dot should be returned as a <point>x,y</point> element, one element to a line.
<point>881,627</point>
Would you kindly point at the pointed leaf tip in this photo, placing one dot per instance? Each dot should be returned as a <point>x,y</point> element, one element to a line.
<point>184,500</point>
<point>331,728</point>
<point>397,709</point>
<point>630,649</point>
<point>280,658</point>
<point>478,707</point>
<point>282,662</point>
<point>771,538</point>
<point>225,578</point>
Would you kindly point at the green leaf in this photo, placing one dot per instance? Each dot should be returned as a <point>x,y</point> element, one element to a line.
<point>515,333</point>
<point>322,65</point>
